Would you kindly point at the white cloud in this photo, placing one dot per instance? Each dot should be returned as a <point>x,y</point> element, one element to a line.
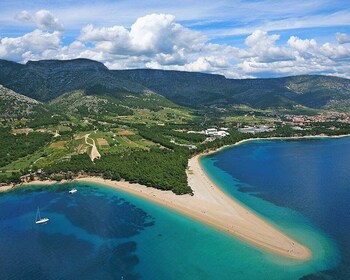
<point>201,64</point>
<point>151,34</point>
<point>34,43</point>
<point>115,33</point>
<point>46,21</point>
<point>23,16</point>
<point>302,45</point>
<point>335,51</point>
<point>159,41</point>
<point>342,38</point>
<point>261,39</point>
<point>262,47</point>
<point>42,19</point>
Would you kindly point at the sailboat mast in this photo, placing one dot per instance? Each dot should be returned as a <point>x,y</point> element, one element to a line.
<point>38,214</point>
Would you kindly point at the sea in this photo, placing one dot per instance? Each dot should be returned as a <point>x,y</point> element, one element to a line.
<point>300,186</point>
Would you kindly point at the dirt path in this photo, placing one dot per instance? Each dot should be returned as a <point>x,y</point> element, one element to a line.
<point>94,152</point>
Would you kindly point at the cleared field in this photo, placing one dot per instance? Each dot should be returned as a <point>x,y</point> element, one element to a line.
<point>81,149</point>
<point>58,144</point>
<point>125,132</point>
<point>21,131</point>
<point>102,142</point>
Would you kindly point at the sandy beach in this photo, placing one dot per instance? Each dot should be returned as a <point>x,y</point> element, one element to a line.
<point>210,205</point>
<point>213,207</point>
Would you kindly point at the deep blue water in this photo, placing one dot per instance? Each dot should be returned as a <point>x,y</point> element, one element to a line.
<point>102,233</point>
<point>311,177</point>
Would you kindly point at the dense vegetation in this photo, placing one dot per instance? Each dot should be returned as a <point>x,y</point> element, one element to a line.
<point>14,147</point>
<point>46,119</point>
<point>162,169</point>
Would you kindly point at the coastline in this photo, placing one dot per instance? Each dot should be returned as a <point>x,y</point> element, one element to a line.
<point>212,151</point>
<point>212,206</point>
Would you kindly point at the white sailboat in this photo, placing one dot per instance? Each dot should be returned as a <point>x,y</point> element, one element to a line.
<point>39,220</point>
<point>73,191</point>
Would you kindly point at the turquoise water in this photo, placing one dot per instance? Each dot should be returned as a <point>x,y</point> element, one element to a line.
<point>102,233</point>
<point>298,185</point>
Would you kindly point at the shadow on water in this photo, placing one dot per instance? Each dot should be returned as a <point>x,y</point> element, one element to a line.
<point>54,250</point>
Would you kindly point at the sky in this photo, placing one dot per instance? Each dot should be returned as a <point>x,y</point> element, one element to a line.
<point>236,38</point>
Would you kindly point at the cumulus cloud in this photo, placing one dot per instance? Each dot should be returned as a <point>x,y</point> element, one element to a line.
<point>159,41</point>
<point>46,21</point>
<point>335,51</point>
<point>263,48</point>
<point>261,38</point>
<point>342,38</point>
<point>302,45</point>
<point>36,42</point>
<point>151,34</point>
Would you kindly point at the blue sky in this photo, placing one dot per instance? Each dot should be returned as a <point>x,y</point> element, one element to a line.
<point>235,38</point>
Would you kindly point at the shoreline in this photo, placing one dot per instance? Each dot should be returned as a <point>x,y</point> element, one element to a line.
<point>211,205</point>
<point>215,150</point>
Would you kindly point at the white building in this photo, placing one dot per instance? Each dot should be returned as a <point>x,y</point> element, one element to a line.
<point>211,131</point>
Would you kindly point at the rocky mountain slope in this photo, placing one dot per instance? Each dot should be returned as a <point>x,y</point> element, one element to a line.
<point>47,79</point>
<point>16,105</point>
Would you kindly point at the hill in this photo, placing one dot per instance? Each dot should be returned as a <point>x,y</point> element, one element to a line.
<point>84,104</point>
<point>48,79</point>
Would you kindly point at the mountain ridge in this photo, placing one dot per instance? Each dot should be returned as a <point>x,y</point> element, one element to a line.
<point>47,79</point>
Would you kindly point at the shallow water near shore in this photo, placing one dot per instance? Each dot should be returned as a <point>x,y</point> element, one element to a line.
<point>103,233</point>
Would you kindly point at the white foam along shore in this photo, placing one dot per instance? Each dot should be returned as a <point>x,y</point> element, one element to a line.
<point>210,205</point>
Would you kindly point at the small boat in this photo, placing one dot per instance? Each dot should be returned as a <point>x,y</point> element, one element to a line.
<point>39,220</point>
<point>73,191</point>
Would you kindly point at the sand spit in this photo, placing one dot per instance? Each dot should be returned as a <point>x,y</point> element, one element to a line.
<point>210,205</point>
